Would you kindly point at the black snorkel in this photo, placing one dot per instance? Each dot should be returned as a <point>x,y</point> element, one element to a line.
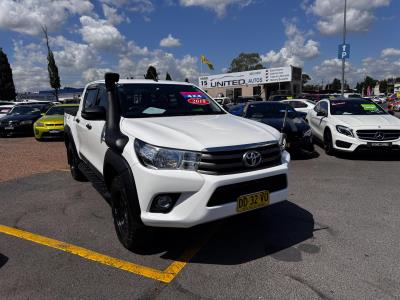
<point>113,136</point>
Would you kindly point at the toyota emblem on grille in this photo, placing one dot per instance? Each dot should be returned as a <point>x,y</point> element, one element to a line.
<point>379,136</point>
<point>252,158</point>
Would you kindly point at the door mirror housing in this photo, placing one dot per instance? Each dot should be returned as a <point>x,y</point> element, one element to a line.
<point>322,113</point>
<point>96,113</point>
<point>391,112</point>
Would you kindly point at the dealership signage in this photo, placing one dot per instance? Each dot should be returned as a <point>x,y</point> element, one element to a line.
<point>255,77</point>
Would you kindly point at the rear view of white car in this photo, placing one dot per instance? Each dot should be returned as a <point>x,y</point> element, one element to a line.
<point>354,124</point>
<point>301,105</point>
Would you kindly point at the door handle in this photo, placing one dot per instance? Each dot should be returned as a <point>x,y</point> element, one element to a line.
<point>88,126</point>
<point>77,120</point>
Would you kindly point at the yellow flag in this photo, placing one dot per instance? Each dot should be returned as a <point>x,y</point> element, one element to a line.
<point>205,61</point>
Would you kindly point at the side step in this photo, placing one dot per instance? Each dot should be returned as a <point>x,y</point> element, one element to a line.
<point>96,180</point>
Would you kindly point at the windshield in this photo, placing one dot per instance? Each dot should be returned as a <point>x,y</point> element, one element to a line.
<point>60,110</point>
<point>355,107</point>
<point>25,110</point>
<point>164,100</point>
<point>270,110</point>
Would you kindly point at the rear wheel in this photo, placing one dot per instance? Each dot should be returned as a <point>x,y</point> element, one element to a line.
<point>328,144</point>
<point>131,232</point>
<point>73,161</point>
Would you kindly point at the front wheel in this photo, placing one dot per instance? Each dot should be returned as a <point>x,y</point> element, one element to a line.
<point>328,143</point>
<point>131,232</point>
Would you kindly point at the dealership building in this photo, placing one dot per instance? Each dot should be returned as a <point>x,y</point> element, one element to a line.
<point>263,83</point>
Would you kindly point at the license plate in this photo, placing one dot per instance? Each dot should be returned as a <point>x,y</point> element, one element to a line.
<point>252,201</point>
<point>9,127</point>
<point>54,131</point>
<point>380,144</point>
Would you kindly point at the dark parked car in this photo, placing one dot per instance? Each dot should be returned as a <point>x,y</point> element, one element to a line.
<point>298,132</point>
<point>19,121</point>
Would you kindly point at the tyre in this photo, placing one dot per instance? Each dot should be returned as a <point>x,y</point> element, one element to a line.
<point>131,231</point>
<point>328,144</point>
<point>73,161</point>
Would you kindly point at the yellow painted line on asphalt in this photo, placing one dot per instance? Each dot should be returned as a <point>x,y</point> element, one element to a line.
<point>165,276</point>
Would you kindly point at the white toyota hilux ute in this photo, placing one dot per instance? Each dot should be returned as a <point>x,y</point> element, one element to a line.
<point>170,156</point>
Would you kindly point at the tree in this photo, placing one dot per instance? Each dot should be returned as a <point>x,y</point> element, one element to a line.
<point>52,66</point>
<point>168,77</point>
<point>305,78</point>
<point>383,86</point>
<point>151,73</point>
<point>7,88</point>
<point>335,85</point>
<point>246,62</point>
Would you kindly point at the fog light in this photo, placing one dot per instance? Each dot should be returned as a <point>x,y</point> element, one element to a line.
<point>164,203</point>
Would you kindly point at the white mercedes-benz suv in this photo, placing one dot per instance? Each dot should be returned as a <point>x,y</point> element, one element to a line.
<point>354,124</point>
<point>170,156</point>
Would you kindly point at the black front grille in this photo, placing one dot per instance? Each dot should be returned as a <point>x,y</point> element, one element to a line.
<point>230,193</point>
<point>231,161</point>
<point>378,135</point>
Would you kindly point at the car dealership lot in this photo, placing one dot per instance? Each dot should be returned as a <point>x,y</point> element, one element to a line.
<point>336,237</point>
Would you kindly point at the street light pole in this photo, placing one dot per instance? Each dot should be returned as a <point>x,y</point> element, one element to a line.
<point>344,42</point>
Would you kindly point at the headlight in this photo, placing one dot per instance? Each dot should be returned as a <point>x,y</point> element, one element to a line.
<point>164,158</point>
<point>344,130</point>
<point>307,133</point>
<point>26,122</point>
<point>39,124</point>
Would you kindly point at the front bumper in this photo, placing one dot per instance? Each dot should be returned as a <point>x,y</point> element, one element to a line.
<point>196,191</point>
<point>48,132</point>
<point>16,130</point>
<point>298,144</point>
<point>355,144</point>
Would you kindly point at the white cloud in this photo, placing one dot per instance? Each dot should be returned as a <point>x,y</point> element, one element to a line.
<point>219,6</point>
<point>179,68</point>
<point>111,14</point>
<point>93,74</point>
<point>100,34</point>
<point>332,68</point>
<point>360,14</point>
<point>27,16</point>
<point>390,52</point>
<point>378,68</point>
<point>73,56</point>
<point>295,50</point>
<point>140,6</point>
<point>169,42</point>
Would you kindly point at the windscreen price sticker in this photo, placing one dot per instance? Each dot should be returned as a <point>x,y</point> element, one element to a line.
<point>196,98</point>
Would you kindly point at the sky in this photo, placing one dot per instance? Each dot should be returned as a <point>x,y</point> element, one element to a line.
<point>91,37</point>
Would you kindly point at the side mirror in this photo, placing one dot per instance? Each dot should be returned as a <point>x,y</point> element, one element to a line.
<point>96,113</point>
<point>322,113</point>
<point>391,112</point>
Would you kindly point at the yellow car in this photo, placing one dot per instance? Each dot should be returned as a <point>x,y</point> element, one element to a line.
<point>51,125</point>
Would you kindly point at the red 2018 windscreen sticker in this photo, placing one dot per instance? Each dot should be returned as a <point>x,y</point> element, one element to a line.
<point>196,98</point>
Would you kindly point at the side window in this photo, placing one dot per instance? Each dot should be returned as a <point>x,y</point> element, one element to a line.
<point>300,104</point>
<point>324,106</point>
<point>102,98</point>
<point>317,107</point>
<point>90,98</point>
<point>291,103</point>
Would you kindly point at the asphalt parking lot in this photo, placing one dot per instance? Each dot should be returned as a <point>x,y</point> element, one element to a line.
<point>337,237</point>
